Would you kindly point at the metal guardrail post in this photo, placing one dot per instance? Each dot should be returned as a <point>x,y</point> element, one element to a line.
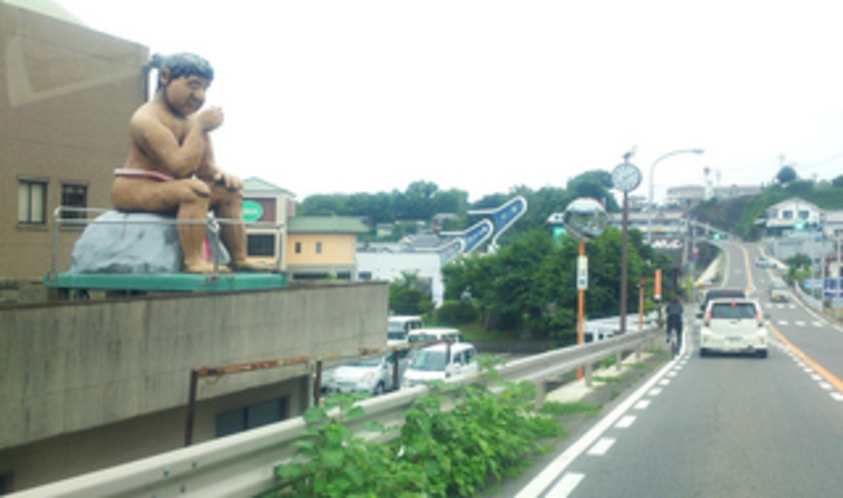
<point>618,360</point>
<point>541,392</point>
<point>589,374</point>
<point>317,384</point>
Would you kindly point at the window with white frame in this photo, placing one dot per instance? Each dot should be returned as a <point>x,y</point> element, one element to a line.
<point>32,202</point>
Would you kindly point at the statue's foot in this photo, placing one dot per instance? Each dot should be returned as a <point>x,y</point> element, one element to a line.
<point>252,265</point>
<point>204,267</point>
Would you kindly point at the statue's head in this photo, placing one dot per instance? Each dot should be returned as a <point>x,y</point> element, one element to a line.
<point>175,66</point>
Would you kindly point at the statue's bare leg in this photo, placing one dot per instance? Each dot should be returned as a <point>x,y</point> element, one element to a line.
<point>229,205</point>
<point>188,198</point>
<point>195,208</point>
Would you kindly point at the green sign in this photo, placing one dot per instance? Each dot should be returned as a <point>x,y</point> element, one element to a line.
<point>252,211</point>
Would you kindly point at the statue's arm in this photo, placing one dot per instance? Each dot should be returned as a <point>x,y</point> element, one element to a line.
<point>209,171</point>
<point>160,145</point>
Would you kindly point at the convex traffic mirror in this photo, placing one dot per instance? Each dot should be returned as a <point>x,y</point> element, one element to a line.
<point>585,219</point>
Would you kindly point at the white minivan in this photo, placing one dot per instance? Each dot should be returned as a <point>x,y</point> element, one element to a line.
<point>733,325</point>
<point>398,327</point>
<point>433,363</point>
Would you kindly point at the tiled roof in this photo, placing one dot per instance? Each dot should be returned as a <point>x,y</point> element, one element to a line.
<point>255,184</point>
<point>326,224</point>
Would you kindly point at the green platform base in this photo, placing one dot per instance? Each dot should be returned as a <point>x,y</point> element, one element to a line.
<point>167,282</point>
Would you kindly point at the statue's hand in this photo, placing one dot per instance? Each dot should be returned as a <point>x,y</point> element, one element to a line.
<point>230,182</point>
<point>210,119</point>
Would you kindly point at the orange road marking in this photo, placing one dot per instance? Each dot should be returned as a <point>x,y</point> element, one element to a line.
<point>825,374</point>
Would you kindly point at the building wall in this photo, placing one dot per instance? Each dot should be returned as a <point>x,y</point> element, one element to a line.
<point>65,103</point>
<point>69,455</point>
<point>78,366</point>
<point>337,249</point>
<point>391,266</point>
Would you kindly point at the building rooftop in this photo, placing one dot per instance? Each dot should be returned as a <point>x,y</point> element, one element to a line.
<point>255,184</point>
<point>326,224</point>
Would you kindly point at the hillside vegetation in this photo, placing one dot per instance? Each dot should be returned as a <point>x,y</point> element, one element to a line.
<point>738,215</point>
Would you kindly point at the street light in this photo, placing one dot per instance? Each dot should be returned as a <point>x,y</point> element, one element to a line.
<point>650,200</point>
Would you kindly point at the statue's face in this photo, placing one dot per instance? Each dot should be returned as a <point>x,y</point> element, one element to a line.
<point>186,94</point>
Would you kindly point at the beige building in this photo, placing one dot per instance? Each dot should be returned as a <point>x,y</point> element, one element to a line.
<point>66,98</point>
<point>323,246</point>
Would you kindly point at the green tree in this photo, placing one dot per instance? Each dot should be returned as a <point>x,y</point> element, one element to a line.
<point>786,174</point>
<point>406,296</point>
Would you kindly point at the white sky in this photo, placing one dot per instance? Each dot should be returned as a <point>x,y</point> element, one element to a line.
<point>368,96</point>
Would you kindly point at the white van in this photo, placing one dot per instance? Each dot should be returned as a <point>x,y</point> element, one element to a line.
<point>432,363</point>
<point>398,327</point>
<point>434,334</point>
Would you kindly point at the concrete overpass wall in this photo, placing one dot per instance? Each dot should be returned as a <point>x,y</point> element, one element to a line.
<point>72,372</point>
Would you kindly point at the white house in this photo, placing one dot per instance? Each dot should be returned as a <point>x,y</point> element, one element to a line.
<point>792,214</point>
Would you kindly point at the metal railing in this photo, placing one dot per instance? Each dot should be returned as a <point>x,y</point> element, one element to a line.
<point>212,225</point>
<point>243,464</point>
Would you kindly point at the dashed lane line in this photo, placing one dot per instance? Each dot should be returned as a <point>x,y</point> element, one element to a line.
<point>825,374</point>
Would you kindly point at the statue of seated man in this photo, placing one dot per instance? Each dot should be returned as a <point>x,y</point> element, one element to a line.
<point>171,167</point>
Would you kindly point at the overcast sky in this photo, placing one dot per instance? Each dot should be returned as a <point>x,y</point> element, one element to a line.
<point>368,96</point>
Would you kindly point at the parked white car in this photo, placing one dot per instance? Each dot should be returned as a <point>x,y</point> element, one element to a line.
<point>399,327</point>
<point>733,325</point>
<point>372,375</point>
<point>433,363</point>
<point>434,334</point>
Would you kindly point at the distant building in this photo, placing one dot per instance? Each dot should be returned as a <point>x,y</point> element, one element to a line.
<point>731,191</point>
<point>323,246</point>
<point>684,197</point>
<point>391,266</point>
<point>790,215</point>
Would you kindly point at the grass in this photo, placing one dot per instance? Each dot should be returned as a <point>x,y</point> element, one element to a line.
<point>612,379</point>
<point>557,408</point>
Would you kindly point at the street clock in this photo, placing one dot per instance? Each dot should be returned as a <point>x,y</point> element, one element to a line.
<point>626,177</point>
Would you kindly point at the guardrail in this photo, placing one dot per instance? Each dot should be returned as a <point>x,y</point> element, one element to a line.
<point>242,464</point>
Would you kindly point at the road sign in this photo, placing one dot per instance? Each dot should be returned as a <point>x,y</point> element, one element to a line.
<point>812,283</point>
<point>582,273</point>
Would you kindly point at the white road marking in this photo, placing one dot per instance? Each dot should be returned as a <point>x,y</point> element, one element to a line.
<point>671,374</point>
<point>561,462</point>
<point>837,396</point>
<point>642,405</point>
<point>826,386</point>
<point>664,382</point>
<point>782,322</point>
<point>817,324</point>
<point>566,485</point>
<point>601,447</point>
<point>816,377</point>
<point>655,392</point>
<point>799,323</point>
<point>625,422</point>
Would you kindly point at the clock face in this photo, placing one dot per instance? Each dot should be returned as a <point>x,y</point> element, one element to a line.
<point>626,177</point>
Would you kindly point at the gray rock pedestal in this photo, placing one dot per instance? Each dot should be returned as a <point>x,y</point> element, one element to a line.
<point>132,243</point>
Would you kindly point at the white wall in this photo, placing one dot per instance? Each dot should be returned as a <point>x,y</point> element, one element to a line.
<point>389,267</point>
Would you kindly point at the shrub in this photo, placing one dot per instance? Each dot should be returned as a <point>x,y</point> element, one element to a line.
<point>456,313</point>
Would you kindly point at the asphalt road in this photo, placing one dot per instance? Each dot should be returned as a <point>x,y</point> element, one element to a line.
<point>719,426</point>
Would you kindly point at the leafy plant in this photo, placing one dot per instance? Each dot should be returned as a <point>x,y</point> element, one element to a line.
<point>439,453</point>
